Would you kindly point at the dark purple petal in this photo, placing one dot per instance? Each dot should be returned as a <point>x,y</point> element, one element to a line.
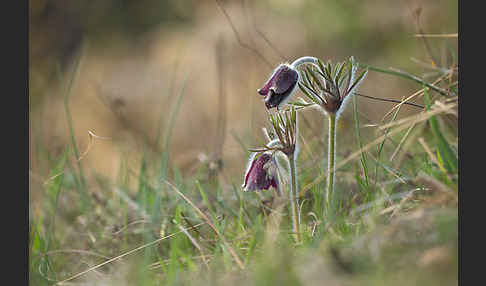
<point>286,80</point>
<point>266,88</point>
<point>279,86</point>
<point>261,174</point>
<point>249,170</point>
<point>274,99</point>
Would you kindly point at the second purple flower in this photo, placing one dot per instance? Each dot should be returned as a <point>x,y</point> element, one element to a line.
<point>262,173</point>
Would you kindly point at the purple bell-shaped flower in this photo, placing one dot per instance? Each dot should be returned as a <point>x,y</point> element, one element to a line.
<point>262,173</point>
<point>280,86</point>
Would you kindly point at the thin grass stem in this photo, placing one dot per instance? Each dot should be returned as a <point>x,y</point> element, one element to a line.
<point>407,76</point>
<point>331,158</point>
<point>293,191</point>
<point>360,143</point>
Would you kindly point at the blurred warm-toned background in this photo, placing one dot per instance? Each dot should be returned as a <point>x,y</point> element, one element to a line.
<point>139,59</point>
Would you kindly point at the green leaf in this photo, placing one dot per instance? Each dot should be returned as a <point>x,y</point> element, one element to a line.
<point>329,71</point>
<point>358,80</point>
<point>303,74</point>
<point>300,104</point>
<point>321,66</point>
<point>303,89</point>
<point>308,77</point>
<point>340,72</point>
<point>314,77</point>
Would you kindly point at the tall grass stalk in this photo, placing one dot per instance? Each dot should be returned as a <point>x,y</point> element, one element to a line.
<point>360,143</point>
<point>408,76</point>
<point>380,148</point>
<point>293,191</point>
<point>331,158</point>
<point>67,92</point>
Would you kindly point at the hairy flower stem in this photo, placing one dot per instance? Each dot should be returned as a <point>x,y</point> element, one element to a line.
<point>331,158</point>
<point>293,191</point>
<point>304,60</point>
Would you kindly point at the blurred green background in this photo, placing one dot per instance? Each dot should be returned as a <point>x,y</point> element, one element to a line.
<point>125,94</point>
<point>139,59</point>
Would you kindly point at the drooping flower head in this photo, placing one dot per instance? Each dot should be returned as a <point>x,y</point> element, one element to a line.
<point>262,173</point>
<point>282,84</point>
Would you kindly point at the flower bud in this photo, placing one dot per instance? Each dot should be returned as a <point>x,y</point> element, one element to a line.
<point>262,173</point>
<point>279,87</point>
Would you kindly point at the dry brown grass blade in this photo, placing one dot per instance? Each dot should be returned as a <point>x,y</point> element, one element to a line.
<point>401,142</point>
<point>453,35</point>
<point>121,256</point>
<point>77,251</point>
<point>194,242</point>
<point>449,111</point>
<point>444,108</point>
<point>432,157</point>
<point>409,143</point>
<point>401,126</point>
<point>435,184</point>
<point>92,136</point>
<point>399,206</point>
<point>417,93</point>
<point>255,26</point>
<point>238,37</point>
<point>158,264</point>
<point>210,223</point>
<point>389,170</point>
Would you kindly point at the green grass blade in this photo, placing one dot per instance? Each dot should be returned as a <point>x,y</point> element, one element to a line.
<point>382,144</point>
<point>446,152</point>
<point>206,202</point>
<point>67,92</point>
<point>170,127</point>
<point>364,165</point>
<point>406,76</point>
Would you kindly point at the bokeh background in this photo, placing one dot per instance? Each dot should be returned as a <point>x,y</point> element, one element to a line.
<point>137,65</point>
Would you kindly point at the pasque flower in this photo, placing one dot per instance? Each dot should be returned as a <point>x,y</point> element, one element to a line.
<point>330,87</point>
<point>262,170</point>
<point>282,84</point>
<point>262,173</point>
